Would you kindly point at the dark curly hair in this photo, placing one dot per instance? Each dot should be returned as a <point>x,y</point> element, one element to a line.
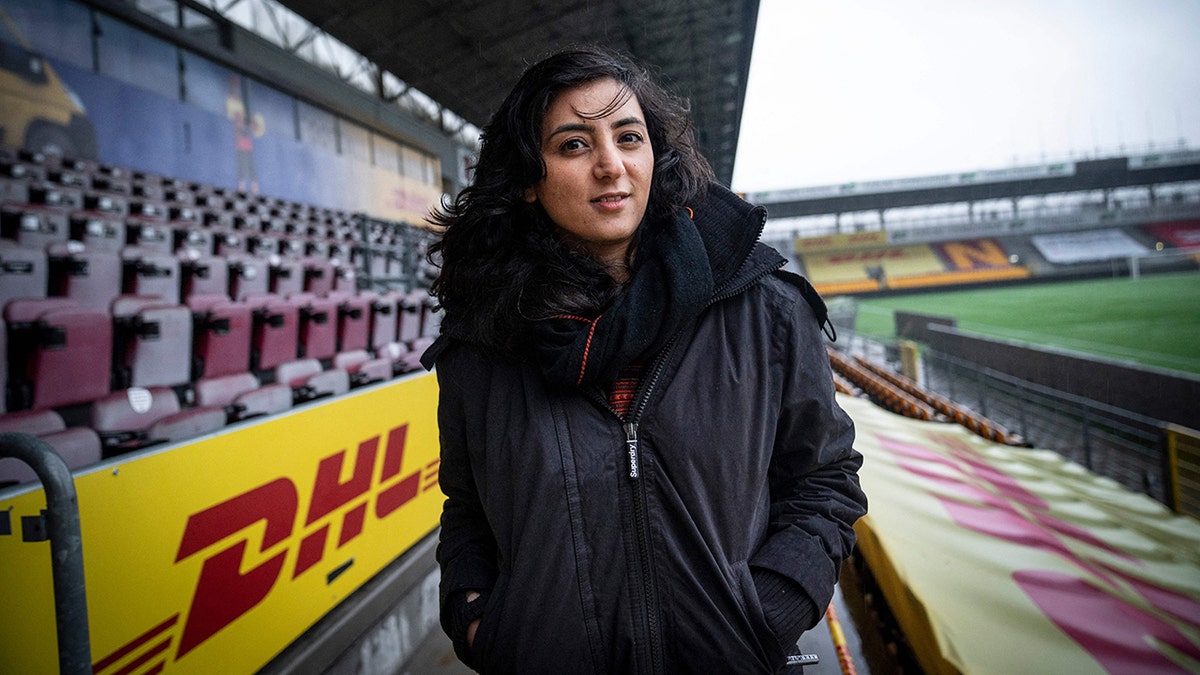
<point>502,260</point>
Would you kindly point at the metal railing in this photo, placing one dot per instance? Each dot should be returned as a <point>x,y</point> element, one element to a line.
<point>1119,444</point>
<point>58,522</point>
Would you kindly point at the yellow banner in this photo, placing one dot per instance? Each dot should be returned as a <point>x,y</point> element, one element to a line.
<point>1006,560</point>
<point>896,261</point>
<point>839,242</point>
<point>212,556</point>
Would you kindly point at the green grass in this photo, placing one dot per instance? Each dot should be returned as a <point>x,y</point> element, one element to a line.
<point>1154,320</point>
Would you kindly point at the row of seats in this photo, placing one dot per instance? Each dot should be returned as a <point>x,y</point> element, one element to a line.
<point>95,278</point>
<point>107,207</point>
<point>61,352</point>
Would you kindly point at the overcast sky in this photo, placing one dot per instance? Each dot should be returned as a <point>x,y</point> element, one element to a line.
<point>851,90</point>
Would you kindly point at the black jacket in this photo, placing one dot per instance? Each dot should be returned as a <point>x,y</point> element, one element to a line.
<point>743,461</point>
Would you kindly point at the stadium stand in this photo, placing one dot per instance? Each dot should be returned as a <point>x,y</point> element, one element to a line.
<point>140,309</point>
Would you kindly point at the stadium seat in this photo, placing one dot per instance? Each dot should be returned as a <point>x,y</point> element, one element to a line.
<point>107,203</point>
<point>65,352</point>
<point>287,276</point>
<point>56,196</point>
<point>276,331</point>
<point>345,277</point>
<point>149,234</point>
<point>222,331</point>
<point>363,368</point>
<point>354,320</point>
<point>318,276</point>
<point>189,237</point>
<point>23,272</point>
<point>241,396</point>
<point>153,342</point>
<point>139,417</point>
<point>411,307</point>
<point>34,226</point>
<point>77,446</point>
<point>97,231</point>
<point>383,318</point>
<point>229,242</point>
<point>150,272</point>
<point>203,274</point>
<point>318,325</point>
<point>248,276</point>
<point>309,381</point>
<point>90,277</point>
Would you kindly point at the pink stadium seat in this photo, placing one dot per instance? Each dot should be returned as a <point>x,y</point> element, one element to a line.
<point>153,342</point>
<point>77,446</point>
<point>223,332</point>
<point>203,274</point>
<point>409,326</point>
<point>287,276</point>
<point>354,320</point>
<point>318,325</point>
<point>383,318</point>
<point>309,381</point>
<point>318,276</point>
<point>150,273</point>
<point>97,231</point>
<point>276,331</point>
<point>399,356</point>
<point>363,368</point>
<point>66,351</point>
<point>248,276</point>
<point>345,278</point>
<point>23,272</point>
<point>242,397</point>
<point>90,277</point>
<point>139,417</point>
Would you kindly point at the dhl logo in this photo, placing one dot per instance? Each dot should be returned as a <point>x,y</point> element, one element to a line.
<point>338,511</point>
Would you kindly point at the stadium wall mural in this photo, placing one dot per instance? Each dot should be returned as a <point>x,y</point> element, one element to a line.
<point>86,85</point>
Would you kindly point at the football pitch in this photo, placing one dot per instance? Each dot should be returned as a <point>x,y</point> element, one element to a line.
<point>1152,320</point>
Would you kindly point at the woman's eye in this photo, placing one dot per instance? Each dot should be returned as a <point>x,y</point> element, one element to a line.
<point>571,144</point>
<point>630,138</point>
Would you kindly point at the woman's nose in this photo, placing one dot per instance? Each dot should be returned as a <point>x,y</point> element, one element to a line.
<point>608,162</point>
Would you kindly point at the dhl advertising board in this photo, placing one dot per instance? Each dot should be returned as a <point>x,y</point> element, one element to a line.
<point>212,556</point>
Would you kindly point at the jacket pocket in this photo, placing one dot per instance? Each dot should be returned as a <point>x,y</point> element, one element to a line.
<point>481,647</point>
<point>772,651</point>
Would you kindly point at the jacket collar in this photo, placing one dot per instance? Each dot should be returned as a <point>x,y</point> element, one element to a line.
<point>730,227</point>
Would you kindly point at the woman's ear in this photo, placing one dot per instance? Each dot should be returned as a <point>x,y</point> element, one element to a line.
<point>530,195</point>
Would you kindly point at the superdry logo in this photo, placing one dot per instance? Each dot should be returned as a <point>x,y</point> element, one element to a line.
<point>231,583</point>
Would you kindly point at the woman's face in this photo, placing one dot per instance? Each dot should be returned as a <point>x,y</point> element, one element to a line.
<point>598,169</point>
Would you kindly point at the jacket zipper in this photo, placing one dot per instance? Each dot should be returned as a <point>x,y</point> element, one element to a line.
<point>649,592</point>
<point>633,456</point>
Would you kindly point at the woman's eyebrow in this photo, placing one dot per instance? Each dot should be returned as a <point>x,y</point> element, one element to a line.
<point>586,127</point>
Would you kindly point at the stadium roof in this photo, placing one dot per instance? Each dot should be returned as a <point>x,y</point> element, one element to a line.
<point>466,54</point>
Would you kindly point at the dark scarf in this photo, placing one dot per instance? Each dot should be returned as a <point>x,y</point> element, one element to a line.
<point>671,285</point>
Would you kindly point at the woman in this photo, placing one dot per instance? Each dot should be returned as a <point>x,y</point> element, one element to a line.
<point>644,464</point>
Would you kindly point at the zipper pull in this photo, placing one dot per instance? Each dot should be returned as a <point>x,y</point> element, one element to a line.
<point>631,448</point>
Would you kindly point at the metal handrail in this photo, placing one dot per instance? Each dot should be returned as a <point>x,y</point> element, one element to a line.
<point>59,522</point>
